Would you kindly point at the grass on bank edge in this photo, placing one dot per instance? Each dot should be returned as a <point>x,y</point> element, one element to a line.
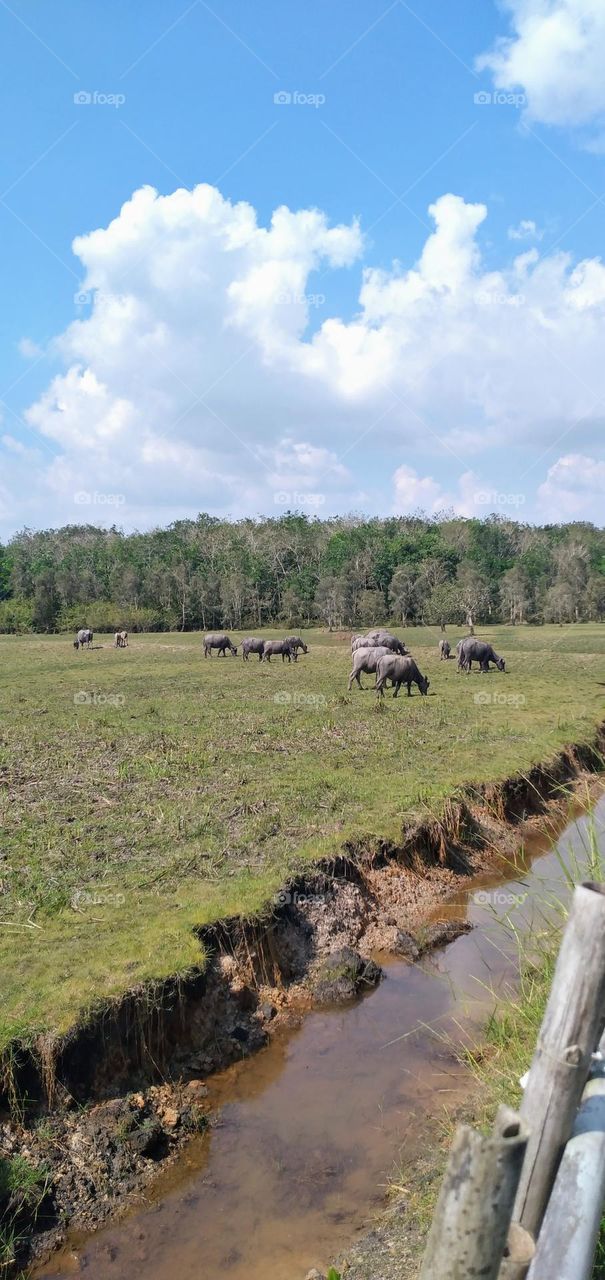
<point>503,1056</point>
<point>23,1191</point>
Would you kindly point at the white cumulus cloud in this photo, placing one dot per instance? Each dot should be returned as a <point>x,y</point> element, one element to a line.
<point>574,489</point>
<point>207,377</point>
<point>556,55</point>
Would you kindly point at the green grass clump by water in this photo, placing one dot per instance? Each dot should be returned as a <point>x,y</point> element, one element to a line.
<point>148,791</point>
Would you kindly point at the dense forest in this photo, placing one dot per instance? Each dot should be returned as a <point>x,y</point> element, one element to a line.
<point>299,571</point>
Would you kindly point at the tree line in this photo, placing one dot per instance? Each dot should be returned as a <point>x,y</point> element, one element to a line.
<point>341,572</point>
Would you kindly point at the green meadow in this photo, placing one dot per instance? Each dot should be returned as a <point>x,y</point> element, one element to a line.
<point>148,791</point>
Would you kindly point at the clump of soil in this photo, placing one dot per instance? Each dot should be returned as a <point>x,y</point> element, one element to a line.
<point>343,976</point>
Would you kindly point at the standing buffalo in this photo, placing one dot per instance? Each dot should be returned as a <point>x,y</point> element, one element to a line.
<point>389,640</point>
<point>296,643</point>
<point>445,649</point>
<point>220,641</point>
<point>121,639</point>
<point>273,647</point>
<point>471,650</point>
<point>84,637</point>
<point>366,660</point>
<point>375,638</point>
<point>399,671</point>
<point>252,645</point>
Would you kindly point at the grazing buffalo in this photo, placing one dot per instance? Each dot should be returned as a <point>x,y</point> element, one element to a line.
<point>121,639</point>
<point>84,637</point>
<point>445,649</point>
<point>366,660</point>
<point>472,650</point>
<point>399,671</point>
<point>387,638</point>
<point>252,645</point>
<point>296,643</point>
<point>362,642</point>
<point>358,642</point>
<point>273,647</point>
<point>383,638</point>
<point>220,641</point>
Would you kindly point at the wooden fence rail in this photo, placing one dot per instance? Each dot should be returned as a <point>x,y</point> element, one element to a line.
<point>497,1190</point>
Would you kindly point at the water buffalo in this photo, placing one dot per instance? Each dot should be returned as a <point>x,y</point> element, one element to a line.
<point>445,649</point>
<point>273,647</point>
<point>399,671</point>
<point>296,643</point>
<point>84,637</point>
<point>387,638</point>
<point>362,642</point>
<point>121,639</point>
<point>218,640</point>
<point>472,650</point>
<point>358,642</point>
<point>252,645</point>
<point>366,660</point>
<point>383,638</point>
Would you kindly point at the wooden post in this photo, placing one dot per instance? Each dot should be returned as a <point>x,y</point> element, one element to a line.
<point>470,1225</point>
<point>570,1031</point>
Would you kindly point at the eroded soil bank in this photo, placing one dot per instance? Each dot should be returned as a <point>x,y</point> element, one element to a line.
<point>307,1128</point>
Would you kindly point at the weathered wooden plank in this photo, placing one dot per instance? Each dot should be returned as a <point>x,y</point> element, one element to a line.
<point>470,1225</point>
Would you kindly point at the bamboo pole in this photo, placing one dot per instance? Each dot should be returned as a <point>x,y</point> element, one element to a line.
<point>570,1031</point>
<point>470,1225</point>
<point>570,1229</point>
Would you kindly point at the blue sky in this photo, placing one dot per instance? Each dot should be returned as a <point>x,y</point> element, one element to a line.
<point>477,386</point>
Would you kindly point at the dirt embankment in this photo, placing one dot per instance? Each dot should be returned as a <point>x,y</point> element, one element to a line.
<point>104,1107</point>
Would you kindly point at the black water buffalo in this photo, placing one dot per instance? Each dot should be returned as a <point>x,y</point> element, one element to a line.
<point>366,660</point>
<point>472,650</point>
<point>445,649</point>
<point>399,671</point>
<point>296,643</point>
<point>218,640</point>
<point>273,647</point>
<point>84,637</point>
<point>252,645</point>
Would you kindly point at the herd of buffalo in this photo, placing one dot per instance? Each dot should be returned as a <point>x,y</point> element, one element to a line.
<point>378,653</point>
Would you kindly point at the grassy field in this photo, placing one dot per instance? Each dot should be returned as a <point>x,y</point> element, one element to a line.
<point>147,790</point>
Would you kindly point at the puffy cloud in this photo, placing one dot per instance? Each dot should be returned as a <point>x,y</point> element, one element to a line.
<point>526,230</point>
<point>471,497</point>
<point>556,55</point>
<point>206,375</point>
<point>574,489</point>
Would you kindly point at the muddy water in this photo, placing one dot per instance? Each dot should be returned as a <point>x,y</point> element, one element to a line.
<point>312,1126</point>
